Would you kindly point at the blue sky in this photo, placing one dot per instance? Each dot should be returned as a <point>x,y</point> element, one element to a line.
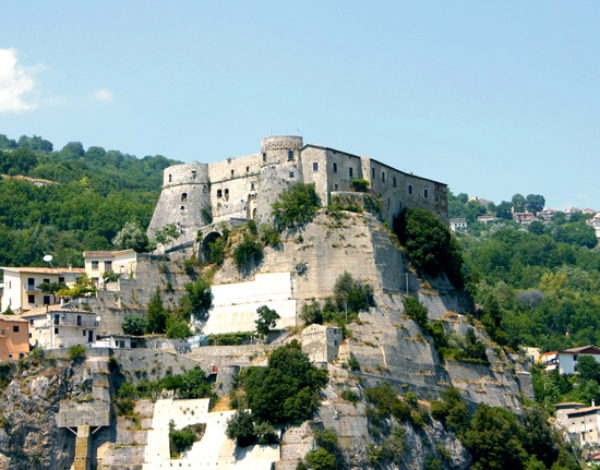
<point>491,97</point>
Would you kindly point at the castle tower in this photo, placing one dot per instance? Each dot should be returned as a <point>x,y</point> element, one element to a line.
<point>280,167</point>
<point>184,199</point>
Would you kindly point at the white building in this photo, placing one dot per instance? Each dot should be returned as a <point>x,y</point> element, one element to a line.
<point>21,292</point>
<point>583,423</point>
<point>594,222</point>
<point>59,326</point>
<point>121,262</point>
<point>565,361</point>
<point>459,223</point>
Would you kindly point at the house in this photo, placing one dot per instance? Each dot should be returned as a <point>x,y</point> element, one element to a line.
<point>523,218</point>
<point>584,424</point>
<point>594,222</point>
<point>565,361</point>
<point>486,218</point>
<point>61,326</point>
<point>97,263</point>
<point>21,291</point>
<point>459,223</point>
<point>547,214</point>
<point>119,342</point>
<point>14,337</point>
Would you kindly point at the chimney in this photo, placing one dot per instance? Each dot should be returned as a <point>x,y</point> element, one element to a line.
<point>70,267</point>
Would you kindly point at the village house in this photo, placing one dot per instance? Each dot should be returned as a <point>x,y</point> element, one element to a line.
<point>97,263</point>
<point>523,218</point>
<point>14,337</point>
<point>580,421</point>
<point>594,222</point>
<point>486,218</point>
<point>458,223</point>
<point>565,361</point>
<point>61,326</point>
<point>21,291</point>
<point>321,343</point>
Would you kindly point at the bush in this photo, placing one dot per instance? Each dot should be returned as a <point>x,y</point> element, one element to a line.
<point>216,251</point>
<point>197,300</point>
<point>353,363</point>
<point>311,313</point>
<point>177,329</point>
<point>321,459</point>
<point>77,352</point>
<point>296,206</point>
<point>352,295</point>
<point>241,428</point>
<point>361,186</point>
<point>133,325</point>
<point>269,235</point>
<point>156,321</point>
<point>350,396</point>
<point>267,319</point>
<point>247,254</point>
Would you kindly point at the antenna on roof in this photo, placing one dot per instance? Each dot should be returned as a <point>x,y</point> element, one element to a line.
<point>48,259</point>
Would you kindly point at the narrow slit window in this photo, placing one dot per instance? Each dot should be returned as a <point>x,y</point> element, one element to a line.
<point>219,193</point>
<point>183,197</point>
<point>315,166</point>
<point>425,193</point>
<point>193,174</point>
<point>350,172</point>
<point>394,181</point>
<point>383,176</point>
<point>264,157</point>
<point>410,189</point>
<point>290,155</point>
<point>334,167</point>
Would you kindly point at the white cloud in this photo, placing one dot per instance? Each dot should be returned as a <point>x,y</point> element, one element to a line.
<point>103,94</point>
<point>15,81</point>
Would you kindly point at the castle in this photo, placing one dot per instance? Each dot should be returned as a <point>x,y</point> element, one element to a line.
<point>197,194</point>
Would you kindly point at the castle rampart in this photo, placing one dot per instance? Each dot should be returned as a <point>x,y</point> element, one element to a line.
<point>193,195</point>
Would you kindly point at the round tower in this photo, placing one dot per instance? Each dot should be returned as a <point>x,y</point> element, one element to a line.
<point>280,167</point>
<point>184,199</point>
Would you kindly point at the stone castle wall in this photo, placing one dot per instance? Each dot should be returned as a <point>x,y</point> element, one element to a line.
<point>246,187</point>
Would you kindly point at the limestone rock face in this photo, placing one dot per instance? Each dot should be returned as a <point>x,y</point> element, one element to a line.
<point>29,437</point>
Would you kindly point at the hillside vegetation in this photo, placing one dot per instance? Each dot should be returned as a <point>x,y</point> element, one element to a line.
<point>96,193</point>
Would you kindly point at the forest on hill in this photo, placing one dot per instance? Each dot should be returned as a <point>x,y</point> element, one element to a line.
<point>540,282</point>
<point>93,193</point>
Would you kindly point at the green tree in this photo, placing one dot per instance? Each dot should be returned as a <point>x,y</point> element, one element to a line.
<point>131,236</point>
<point>588,368</point>
<point>495,439</point>
<point>133,325</point>
<point>241,428</point>
<point>535,202</point>
<point>156,321</point>
<point>197,300</point>
<point>177,328</point>
<point>321,459</point>
<point>296,206</point>
<point>267,319</point>
<point>351,295</point>
<point>247,254</point>
<point>430,247</point>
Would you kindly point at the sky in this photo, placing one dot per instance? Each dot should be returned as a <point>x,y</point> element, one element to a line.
<point>491,97</point>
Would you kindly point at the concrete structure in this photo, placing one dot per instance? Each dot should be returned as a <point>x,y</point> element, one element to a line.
<point>213,451</point>
<point>115,342</point>
<point>458,223</point>
<point>321,343</point>
<point>61,326</point>
<point>565,361</point>
<point>21,291</point>
<point>99,262</point>
<point>14,337</point>
<point>487,218</point>
<point>193,195</point>
<point>235,304</point>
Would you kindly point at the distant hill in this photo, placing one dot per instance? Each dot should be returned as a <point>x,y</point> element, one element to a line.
<point>97,192</point>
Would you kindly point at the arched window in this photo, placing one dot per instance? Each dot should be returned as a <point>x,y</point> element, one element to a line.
<point>170,178</point>
<point>227,194</point>
<point>183,197</point>
<point>219,193</point>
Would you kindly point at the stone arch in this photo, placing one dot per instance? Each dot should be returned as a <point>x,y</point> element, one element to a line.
<point>210,238</point>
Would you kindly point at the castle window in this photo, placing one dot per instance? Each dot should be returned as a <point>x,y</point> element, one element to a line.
<point>372,173</point>
<point>290,155</point>
<point>219,193</point>
<point>264,157</point>
<point>350,172</point>
<point>383,176</point>
<point>335,186</point>
<point>410,189</point>
<point>183,197</point>
<point>193,174</point>
<point>291,174</point>
<point>182,207</point>
<point>315,166</point>
<point>247,169</point>
<point>232,171</point>
<point>388,202</point>
<point>334,167</point>
<point>425,193</point>
<point>252,186</point>
<point>227,194</point>
<point>394,181</point>
<point>170,178</point>
<point>16,328</point>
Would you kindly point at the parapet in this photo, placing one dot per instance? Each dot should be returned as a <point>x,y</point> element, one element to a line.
<point>280,142</point>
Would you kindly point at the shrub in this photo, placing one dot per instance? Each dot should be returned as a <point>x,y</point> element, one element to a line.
<point>353,363</point>
<point>352,295</point>
<point>133,325</point>
<point>177,328</point>
<point>216,251</point>
<point>180,441</point>
<point>197,300</point>
<point>241,428</point>
<point>350,396</point>
<point>269,235</point>
<point>361,185</point>
<point>296,206</point>
<point>156,321</point>
<point>321,459</point>
<point>247,254</point>
<point>311,313</point>
<point>267,319</point>
<point>77,352</point>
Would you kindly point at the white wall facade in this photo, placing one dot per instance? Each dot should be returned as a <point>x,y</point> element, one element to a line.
<point>60,329</point>
<point>234,305</point>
